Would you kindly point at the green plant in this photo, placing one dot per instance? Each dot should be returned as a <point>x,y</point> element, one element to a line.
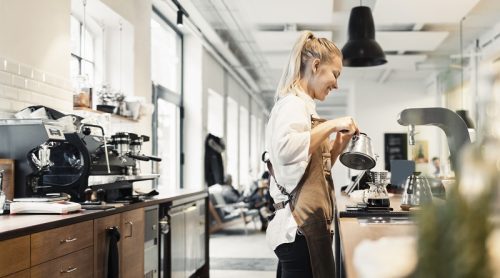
<point>107,95</point>
<point>453,237</point>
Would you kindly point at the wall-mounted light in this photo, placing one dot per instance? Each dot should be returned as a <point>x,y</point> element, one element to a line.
<point>179,18</point>
<point>181,12</point>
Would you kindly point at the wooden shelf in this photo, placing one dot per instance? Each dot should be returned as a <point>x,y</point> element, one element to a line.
<point>101,112</point>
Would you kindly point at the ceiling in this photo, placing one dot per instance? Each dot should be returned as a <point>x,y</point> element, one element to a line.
<point>418,36</point>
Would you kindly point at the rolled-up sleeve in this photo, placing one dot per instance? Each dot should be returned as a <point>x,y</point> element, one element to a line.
<point>292,134</point>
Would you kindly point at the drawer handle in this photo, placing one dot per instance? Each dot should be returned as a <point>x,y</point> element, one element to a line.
<point>68,240</point>
<point>131,228</point>
<point>70,269</point>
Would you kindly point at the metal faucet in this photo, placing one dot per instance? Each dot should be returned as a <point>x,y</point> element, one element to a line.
<point>411,135</point>
<point>452,125</point>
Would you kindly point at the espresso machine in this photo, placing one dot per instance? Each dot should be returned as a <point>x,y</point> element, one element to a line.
<point>47,160</point>
<point>114,162</point>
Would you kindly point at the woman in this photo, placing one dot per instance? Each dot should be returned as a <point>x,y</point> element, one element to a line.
<point>297,140</point>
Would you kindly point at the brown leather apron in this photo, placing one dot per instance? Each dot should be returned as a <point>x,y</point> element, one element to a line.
<point>313,209</point>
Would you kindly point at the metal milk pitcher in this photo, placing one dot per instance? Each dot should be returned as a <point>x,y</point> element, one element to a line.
<point>359,154</point>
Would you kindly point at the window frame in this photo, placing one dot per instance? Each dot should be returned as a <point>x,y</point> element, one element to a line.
<point>159,91</point>
<point>80,58</point>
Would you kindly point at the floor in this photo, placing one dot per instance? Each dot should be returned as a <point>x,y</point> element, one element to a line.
<point>236,254</point>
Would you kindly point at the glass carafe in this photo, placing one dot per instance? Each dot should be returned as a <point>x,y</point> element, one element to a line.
<point>376,195</point>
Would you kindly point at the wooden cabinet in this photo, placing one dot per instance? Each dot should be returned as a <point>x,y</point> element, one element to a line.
<point>101,242</point>
<point>77,264</point>
<point>54,243</point>
<point>14,255</point>
<point>21,274</point>
<point>69,247</point>
<point>130,246</point>
<point>132,241</point>
<point>62,252</point>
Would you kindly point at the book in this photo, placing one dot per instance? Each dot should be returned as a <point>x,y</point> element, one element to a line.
<point>44,207</point>
<point>47,198</point>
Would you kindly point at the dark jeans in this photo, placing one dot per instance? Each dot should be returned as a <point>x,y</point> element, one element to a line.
<point>294,259</point>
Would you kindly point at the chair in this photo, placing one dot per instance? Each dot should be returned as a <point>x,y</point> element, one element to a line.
<point>224,214</point>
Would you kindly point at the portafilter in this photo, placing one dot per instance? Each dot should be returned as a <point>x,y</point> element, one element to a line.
<point>359,153</point>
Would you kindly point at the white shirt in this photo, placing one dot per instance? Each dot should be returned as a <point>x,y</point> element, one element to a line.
<point>288,139</point>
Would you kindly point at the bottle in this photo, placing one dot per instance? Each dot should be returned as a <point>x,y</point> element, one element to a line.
<point>2,195</point>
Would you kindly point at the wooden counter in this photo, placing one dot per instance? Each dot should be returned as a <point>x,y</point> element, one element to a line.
<point>50,245</point>
<point>351,233</point>
<point>23,224</point>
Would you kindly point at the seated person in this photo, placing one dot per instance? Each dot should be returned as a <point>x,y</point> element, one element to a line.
<point>229,193</point>
<point>259,198</point>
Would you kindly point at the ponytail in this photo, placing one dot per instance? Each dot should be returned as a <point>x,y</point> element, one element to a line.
<point>305,48</point>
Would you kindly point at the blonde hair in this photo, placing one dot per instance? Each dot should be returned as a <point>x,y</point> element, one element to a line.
<point>306,47</point>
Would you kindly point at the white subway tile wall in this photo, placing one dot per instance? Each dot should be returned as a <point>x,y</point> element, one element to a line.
<point>22,86</point>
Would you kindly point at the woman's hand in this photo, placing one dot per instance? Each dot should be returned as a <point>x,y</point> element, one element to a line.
<point>341,141</point>
<point>344,125</point>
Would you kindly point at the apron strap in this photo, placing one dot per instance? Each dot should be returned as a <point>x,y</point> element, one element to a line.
<point>265,159</point>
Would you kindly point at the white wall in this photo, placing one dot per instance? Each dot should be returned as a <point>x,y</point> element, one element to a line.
<point>376,106</point>
<point>34,36</point>
<point>36,33</point>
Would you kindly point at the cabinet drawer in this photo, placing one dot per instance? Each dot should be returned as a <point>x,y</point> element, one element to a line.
<point>132,253</point>
<point>54,243</point>
<point>10,263</point>
<point>78,264</point>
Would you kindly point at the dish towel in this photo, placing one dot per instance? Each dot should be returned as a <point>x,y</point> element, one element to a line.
<point>113,256</point>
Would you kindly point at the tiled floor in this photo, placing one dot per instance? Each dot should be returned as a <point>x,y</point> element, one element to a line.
<point>234,254</point>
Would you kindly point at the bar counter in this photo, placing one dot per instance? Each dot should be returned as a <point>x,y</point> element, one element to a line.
<point>351,233</point>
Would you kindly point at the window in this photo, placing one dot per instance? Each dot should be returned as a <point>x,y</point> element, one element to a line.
<point>261,145</point>
<point>245,175</point>
<point>82,65</point>
<point>232,140</point>
<point>168,139</point>
<point>254,133</point>
<point>166,72</point>
<point>215,121</point>
<point>165,55</point>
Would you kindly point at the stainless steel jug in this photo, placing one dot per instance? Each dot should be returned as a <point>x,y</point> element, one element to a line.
<point>416,192</point>
<point>359,154</point>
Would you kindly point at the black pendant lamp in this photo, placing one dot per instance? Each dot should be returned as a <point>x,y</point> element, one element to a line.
<point>361,50</point>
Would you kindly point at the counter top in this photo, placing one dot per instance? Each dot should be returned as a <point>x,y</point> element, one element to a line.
<point>352,232</point>
<point>23,224</point>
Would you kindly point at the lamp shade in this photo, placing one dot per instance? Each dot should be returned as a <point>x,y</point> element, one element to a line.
<point>361,49</point>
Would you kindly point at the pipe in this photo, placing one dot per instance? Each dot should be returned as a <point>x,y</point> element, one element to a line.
<point>453,126</point>
<point>411,135</point>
